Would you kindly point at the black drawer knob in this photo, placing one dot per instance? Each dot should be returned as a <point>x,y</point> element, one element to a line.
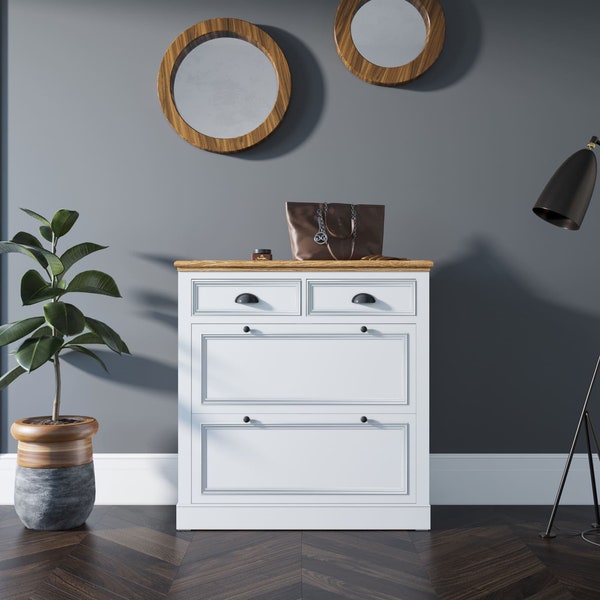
<point>363,299</point>
<point>246,329</point>
<point>246,299</point>
<point>363,419</point>
<point>364,329</point>
<point>246,419</point>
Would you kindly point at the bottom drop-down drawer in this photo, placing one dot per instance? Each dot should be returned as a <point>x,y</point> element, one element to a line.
<point>306,458</point>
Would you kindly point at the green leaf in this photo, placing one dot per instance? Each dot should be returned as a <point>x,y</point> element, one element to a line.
<point>32,285</point>
<point>72,255</point>
<point>86,338</point>
<point>89,353</point>
<point>62,221</point>
<point>65,318</point>
<point>6,247</point>
<point>34,352</point>
<point>94,338</point>
<point>9,377</point>
<point>27,239</point>
<point>34,288</point>
<point>15,331</point>
<point>44,258</point>
<point>109,336</point>
<point>36,216</point>
<point>124,348</point>
<point>94,282</point>
<point>46,233</point>
<point>54,263</point>
<point>45,330</point>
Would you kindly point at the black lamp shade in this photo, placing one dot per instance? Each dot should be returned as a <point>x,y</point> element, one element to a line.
<point>567,195</point>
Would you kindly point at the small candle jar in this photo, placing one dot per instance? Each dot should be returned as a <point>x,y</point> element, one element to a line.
<point>262,254</point>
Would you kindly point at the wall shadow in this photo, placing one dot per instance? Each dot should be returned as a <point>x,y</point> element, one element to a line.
<point>155,305</point>
<point>157,259</point>
<point>509,369</point>
<point>461,48</point>
<point>158,307</point>
<point>135,371</point>
<point>306,101</point>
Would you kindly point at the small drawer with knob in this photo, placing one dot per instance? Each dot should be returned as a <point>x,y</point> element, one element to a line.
<point>362,297</point>
<point>238,296</point>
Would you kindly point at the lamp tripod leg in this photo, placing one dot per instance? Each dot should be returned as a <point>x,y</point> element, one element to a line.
<point>547,534</point>
<point>591,466</point>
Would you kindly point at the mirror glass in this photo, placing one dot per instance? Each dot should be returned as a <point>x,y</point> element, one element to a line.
<point>225,87</point>
<point>388,33</point>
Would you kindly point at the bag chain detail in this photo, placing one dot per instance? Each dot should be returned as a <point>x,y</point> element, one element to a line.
<point>321,236</point>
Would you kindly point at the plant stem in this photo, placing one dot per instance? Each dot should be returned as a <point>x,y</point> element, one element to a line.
<point>56,404</point>
<point>57,379</point>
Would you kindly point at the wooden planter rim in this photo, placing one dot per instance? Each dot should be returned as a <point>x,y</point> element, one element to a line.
<point>24,431</point>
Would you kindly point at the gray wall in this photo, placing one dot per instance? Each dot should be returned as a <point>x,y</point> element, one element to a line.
<point>458,157</point>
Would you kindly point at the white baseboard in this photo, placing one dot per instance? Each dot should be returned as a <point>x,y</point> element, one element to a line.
<point>509,479</point>
<point>120,478</point>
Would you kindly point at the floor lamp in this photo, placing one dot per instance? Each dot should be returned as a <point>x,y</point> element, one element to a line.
<point>564,202</point>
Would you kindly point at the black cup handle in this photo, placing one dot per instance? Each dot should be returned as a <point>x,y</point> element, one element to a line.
<point>246,299</point>
<point>363,299</point>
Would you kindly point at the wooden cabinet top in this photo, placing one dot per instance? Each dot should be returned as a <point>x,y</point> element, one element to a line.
<point>304,265</point>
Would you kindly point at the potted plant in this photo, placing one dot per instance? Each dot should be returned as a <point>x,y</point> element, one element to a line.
<point>55,484</point>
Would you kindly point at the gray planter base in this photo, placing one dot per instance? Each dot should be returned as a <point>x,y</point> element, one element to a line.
<point>55,499</point>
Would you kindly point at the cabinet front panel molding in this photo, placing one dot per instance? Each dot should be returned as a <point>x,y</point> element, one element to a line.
<point>268,457</point>
<point>337,297</point>
<point>304,364</point>
<point>219,297</point>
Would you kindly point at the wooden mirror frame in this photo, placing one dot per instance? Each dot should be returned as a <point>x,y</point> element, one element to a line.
<point>199,33</point>
<point>356,63</point>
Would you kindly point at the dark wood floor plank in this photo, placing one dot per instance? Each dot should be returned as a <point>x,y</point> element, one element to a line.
<point>159,518</point>
<point>63,585</point>
<point>108,580</point>
<point>210,544</point>
<point>164,546</point>
<point>541,586</point>
<point>363,550</point>
<point>262,564</point>
<point>480,562</point>
<point>21,576</point>
<point>352,564</point>
<point>141,569</point>
<point>19,541</point>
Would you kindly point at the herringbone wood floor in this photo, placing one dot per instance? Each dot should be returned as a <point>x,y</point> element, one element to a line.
<point>136,553</point>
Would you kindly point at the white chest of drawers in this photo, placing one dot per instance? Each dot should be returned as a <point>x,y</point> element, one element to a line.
<point>303,395</point>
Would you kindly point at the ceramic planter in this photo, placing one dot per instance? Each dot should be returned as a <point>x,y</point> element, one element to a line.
<point>54,486</point>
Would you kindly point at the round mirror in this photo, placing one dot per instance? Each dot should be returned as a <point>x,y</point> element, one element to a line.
<point>389,42</point>
<point>225,88</point>
<point>388,33</point>
<point>224,85</point>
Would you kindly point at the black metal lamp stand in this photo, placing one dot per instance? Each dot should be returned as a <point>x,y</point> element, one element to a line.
<point>564,202</point>
<point>584,420</point>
